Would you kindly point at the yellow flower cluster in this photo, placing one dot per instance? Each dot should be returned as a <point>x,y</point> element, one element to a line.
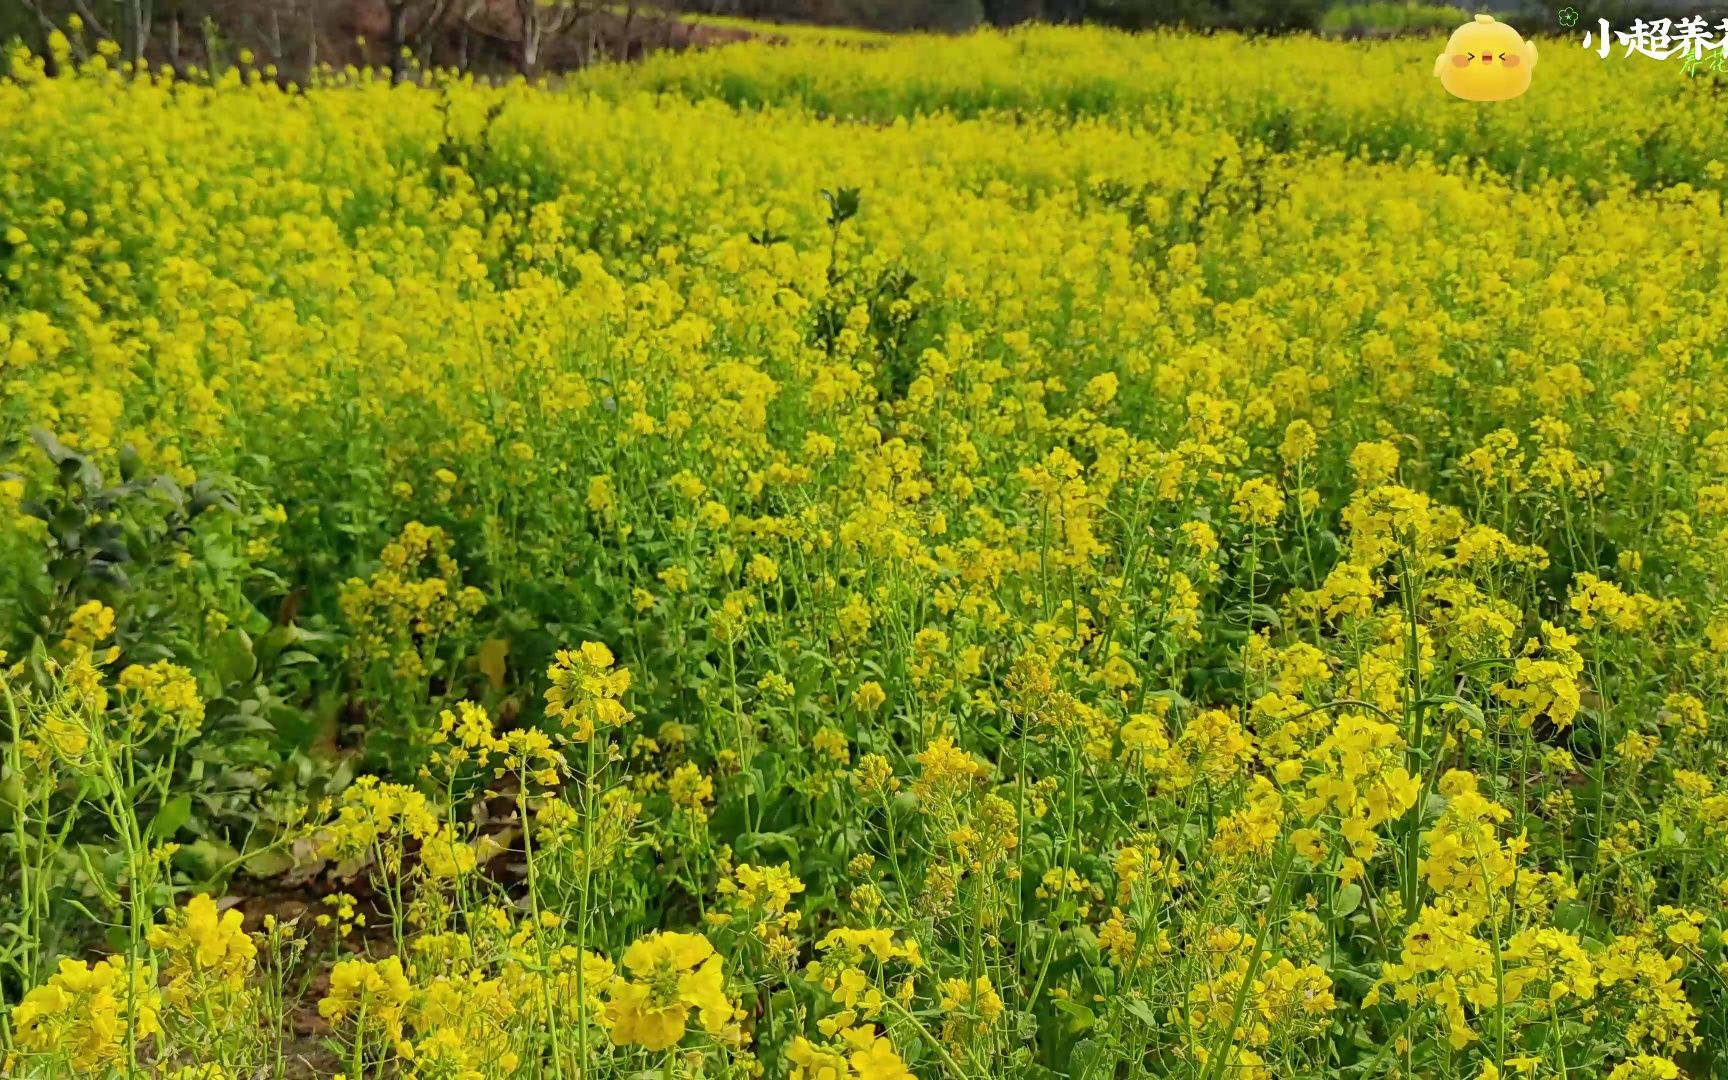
<point>415,598</point>
<point>209,957</point>
<point>88,1015</point>
<point>1137,554</point>
<point>670,974</point>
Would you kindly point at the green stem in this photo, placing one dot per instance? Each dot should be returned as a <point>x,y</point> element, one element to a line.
<point>1217,1064</point>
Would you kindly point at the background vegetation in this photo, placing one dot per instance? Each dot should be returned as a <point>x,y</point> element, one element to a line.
<point>1048,553</point>
<point>499,37</point>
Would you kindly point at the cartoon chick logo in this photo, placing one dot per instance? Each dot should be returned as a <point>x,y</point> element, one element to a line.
<point>1486,60</point>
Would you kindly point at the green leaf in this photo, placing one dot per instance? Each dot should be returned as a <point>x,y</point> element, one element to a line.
<point>914,1051</point>
<point>269,863</point>
<point>1084,1058</point>
<point>55,450</point>
<point>174,814</point>
<point>757,841</point>
<point>1347,900</point>
<point>1265,615</point>
<point>842,205</point>
<point>1141,1011</point>
<point>204,858</point>
<point>1469,709</point>
<point>275,641</point>
<point>1081,1018</point>
<point>231,657</point>
<point>1570,915</point>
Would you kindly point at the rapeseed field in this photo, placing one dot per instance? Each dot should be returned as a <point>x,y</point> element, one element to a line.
<point>1047,554</point>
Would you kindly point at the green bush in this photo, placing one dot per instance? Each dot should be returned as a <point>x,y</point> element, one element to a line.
<point>1383,15</point>
<point>1272,16</point>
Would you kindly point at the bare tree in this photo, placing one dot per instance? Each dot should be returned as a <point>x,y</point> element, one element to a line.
<point>624,32</point>
<point>91,22</point>
<point>137,28</point>
<point>48,30</point>
<point>179,18</point>
<point>543,22</point>
<point>466,12</point>
<point>410,21</point>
